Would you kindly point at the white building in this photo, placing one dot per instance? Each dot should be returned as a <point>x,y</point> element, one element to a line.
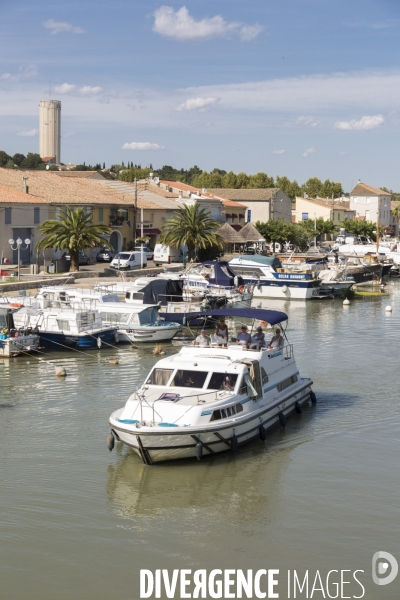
<point>336,210</point>
<point>50,129</point>
<point>368,201</point>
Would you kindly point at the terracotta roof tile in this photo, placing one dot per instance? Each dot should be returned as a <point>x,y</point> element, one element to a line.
<point>9,196</point>
<point>338,204</point>
<point>243,195</point>
<point>362,189</point>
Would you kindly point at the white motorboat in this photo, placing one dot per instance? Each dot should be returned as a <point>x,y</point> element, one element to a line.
<point>203,401</point>
<point>272,280</point>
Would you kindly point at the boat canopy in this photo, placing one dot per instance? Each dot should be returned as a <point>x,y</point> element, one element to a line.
<point>270,316</point>
<point>6,319</point>
<point>162,291</point>
<point>270,261</point>
<point>224,275</point>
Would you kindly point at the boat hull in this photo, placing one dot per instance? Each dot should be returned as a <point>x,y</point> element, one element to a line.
<point>154,446</point>
<point>18,345</point>
<point>286,290</point>
<point>150,334</point>
<point>56,339</point>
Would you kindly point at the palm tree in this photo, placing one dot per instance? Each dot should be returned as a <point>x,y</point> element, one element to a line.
<point>74,230</point>
<point>193,227</point>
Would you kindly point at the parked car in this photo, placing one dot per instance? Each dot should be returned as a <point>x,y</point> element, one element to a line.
<point>167,254</point>
<point>105,255</point>
<point>128,260</point>
<point>83,259</point>
<point>149,252</point>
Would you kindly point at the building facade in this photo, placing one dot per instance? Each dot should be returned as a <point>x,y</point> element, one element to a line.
<point>261,204</point>
<point>336,210</point>
<point>50,129</point>
<point>371,203</point>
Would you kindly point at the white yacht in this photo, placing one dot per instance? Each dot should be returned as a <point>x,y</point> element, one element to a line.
<point>272,280</point>
<point>203,401</point>
<point>13,342</point>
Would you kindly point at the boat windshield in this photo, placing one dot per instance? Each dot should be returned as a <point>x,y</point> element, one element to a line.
<point>148,316</point>
<point>159,376</point>
<point>222,381</point>
<point>191,379</point>
<point>116,318</point>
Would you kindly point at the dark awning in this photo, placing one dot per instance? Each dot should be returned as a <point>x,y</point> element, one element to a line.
<point>228,216</point>
<point>148,231</point>
<point>241,216</point>
<point>270,316</point>
<point>236,227</point>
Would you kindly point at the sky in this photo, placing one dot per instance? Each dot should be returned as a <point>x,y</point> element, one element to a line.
<point>302,88</point>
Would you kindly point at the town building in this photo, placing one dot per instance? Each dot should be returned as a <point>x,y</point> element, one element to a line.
<point>262,204</point>
<point>371,203</point>
<point>50,130</point>
<point>336,210</point>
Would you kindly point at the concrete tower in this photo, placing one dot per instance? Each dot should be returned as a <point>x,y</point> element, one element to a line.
<point>50,129</point>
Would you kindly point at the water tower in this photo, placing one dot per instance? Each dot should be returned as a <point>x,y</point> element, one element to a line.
<point>50,129</point>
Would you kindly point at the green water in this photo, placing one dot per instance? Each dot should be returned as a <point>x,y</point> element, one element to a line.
<point>77,522</point>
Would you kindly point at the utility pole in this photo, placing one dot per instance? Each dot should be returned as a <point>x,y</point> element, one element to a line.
<point>135,215</point>
<point>378,220</point>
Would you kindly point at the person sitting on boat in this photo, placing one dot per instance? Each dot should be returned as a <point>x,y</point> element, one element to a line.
<point>221,331</point>
<point>226,385</point>
<point>201,340</point>
<point>277,341</point>
<point>243,338</point>
<point>258,340</point>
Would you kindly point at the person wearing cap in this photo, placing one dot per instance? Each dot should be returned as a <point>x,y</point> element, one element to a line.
<point>221,332</point>
<point>243,338</point>
<point>258,339</point>
<point>277,341</point>
<point>201,340</point>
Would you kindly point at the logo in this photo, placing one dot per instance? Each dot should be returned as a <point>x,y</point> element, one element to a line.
<point>380,566</point>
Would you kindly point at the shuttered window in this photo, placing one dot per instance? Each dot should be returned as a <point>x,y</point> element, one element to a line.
<point>36,216</point>
<point>7,216</point>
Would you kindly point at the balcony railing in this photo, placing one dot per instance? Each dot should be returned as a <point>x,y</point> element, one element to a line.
<point>116,222</point>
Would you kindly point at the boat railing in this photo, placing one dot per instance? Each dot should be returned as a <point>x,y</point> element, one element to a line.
<point>288,352</point>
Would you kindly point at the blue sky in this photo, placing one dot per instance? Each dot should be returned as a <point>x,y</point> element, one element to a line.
<point>300,88</point>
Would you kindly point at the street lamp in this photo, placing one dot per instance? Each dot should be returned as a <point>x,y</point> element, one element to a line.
<point>18,241</point>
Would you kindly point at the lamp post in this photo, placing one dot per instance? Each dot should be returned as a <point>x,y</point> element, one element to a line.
<point>18,243</point>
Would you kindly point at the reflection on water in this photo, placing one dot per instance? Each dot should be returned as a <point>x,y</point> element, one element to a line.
<point>79,522</point>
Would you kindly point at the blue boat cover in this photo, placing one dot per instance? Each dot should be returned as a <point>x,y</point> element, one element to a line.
<point>270,316</point>
<point>224,275</point>
<point>163,291</point>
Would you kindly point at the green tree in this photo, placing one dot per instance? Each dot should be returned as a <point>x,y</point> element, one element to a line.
<point>193,227</point>
<point>9,164</point>
<point>275,231</point>
<point>32,161</point>
<point>4,158</point>
<point>74,231</point>
<point>291,188</point>
<point>331,188</point>
<point>359,227</point>
<point>312,187</point>
<point>229,180</point>
<point>261,180</point>
<point>130,174</point>
<point>242,180</point>
<point>18,159</point>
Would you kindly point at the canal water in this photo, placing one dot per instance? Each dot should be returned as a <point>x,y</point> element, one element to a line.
<point>77,522</point>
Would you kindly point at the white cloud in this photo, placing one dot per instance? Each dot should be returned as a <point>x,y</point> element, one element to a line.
<point>24,72</point>
<point>180,25</point>
<point>278,152</point>
<point>249,32</point>
<point>58,27</point>
<point>308,121</point>
<point>65,88</point>
<point>141,146</point>
<point>30,133</point>
<point>86,90</point>
<point>197,103</point>
<point>309,151</point>
<point>364,124</point>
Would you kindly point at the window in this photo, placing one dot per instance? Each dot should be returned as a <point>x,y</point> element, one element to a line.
<point>7,216</point>
<point>36,215</point>
<point>159,376</point>
<point>191,379</point>
<point>304,216</point>
<point>286,383</point>
<point>63,325</point>
<point>230,411</point>
<point>219,381</point>
<point>101,215</point>
<point>338,216</point>
<point>264,376</point>
<point>148,316</point>
<point>114,318</point>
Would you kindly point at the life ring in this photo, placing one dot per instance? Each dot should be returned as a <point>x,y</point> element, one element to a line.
<point>241,289</point>
<point>16,304</point>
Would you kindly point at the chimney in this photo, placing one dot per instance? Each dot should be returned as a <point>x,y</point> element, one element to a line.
<point>25,186</point>
<point>359,181</point>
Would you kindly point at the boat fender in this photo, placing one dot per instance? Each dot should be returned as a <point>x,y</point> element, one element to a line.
<point>313,397</point>
<point>184,320</point>
<point>99,342</point>
<point>282,419</point>
<point>116,337</point>
<point>199,450</point>
<point>298,408</point>
<point>110,441</point>
<point>284,289</point>
<point>60,372</point>
<point>234,442</point>
<point>263,433</point>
